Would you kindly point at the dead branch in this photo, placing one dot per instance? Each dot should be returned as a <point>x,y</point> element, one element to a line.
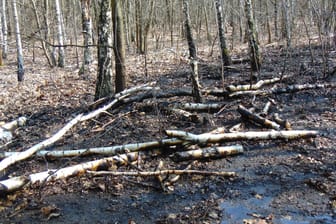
<point>79,118</point>
<point>253,135</point>
<point>113,150</point>
<point>206,153</point>
<point>16,183</point>
<point>258,85</point>
<point>257,119</point>
<point>164,172</point>
<point>185,114</point>
<point>288,89</point>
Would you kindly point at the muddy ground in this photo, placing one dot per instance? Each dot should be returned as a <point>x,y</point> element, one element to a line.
<point>278,181</point>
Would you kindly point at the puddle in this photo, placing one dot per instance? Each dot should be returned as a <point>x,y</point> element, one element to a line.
<point>235,212</point>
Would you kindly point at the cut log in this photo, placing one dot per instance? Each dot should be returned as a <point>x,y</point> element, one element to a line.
<point>257,119</point>
<point>208,153</point>
<point>237,136</point>
<point>16,183</point>
<point>79,118</point>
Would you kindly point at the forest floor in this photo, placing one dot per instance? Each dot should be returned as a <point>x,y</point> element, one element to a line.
<point>278,181</point>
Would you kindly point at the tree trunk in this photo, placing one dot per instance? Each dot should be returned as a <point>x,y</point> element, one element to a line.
<point>190,39</point>
<point>60,35</point>
<point>20,71</point>
<point>87,30</point>
<point>226,59</point>
<point>255,56</point>
<point>287,22</point>
<point>276,27</point>
<point>38,23</point>
<point>104,85</point>
<point>46,32</point>
<point>4,29</point>
<point>119,46</point>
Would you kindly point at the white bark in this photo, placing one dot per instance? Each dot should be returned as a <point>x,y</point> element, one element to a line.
<point>20,71</point>
<point>253,135</point>
<point>61,62</point>
<point>113,150</point>
<point>6,129</point>
<point>4,29</point>
<point>17,183</point>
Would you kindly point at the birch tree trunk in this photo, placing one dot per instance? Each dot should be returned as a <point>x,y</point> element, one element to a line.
<point>20,71</point>
<point>119,46</point>
<point>1,39</point>
<point>87,30</point>
<point>104,85</point>
<point>60,35</point>
<point>46,32</point>
<point>255,57</point>
<point>4,29</point>
<point>190,39</point>
<point>226,59</point>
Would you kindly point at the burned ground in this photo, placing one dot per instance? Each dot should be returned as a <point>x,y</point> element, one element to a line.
<point>278,181</point>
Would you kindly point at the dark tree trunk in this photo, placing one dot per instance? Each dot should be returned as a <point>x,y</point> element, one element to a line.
<point>104,85</point>
<point>190,39</point>
<point>119,46</point>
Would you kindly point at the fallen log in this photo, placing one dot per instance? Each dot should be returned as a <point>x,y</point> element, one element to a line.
<point>257,119</point>
<point>16,183</point>
<point>165,172</point>
<point>79,118</point>
<point>208,153</point>
<point>258,85</point>
<point>288,89</point>
<point>113,150</point>
<point>253,135</point>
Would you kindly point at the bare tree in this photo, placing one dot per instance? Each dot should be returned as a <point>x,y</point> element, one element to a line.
<point>20,71</point>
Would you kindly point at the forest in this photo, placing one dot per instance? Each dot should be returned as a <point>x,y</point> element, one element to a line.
<point>168,111</point>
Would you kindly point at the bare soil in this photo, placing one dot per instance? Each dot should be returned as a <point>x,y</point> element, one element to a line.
<point>278,181</point>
